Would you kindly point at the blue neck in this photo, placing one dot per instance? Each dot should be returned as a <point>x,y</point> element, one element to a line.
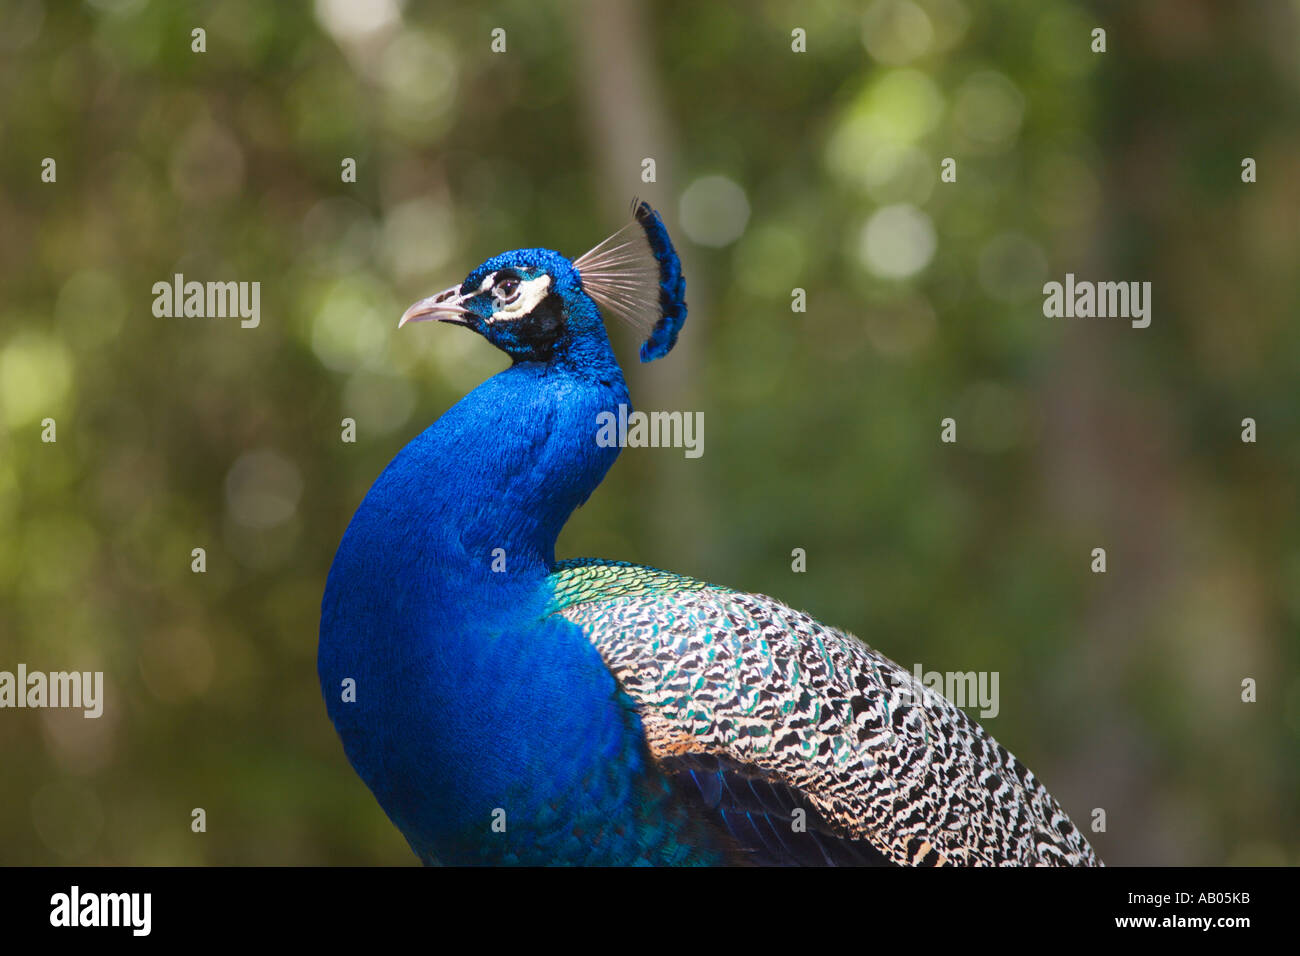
<point>459,676</point>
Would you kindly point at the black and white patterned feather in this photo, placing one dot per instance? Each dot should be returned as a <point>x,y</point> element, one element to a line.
<point>757,710</point>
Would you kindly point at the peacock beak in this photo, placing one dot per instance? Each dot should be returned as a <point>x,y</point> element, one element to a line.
<point>446,306</point>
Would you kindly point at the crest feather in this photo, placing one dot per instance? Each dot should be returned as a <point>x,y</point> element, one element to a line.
<point>636,276</point>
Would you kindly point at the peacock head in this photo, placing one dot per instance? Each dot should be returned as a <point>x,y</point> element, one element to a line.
<point>536,304</point>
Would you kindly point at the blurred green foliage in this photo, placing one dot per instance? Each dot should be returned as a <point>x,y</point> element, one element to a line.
<point>1122,691</point>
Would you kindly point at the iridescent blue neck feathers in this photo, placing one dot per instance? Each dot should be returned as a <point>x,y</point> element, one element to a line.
<point>456,696</point>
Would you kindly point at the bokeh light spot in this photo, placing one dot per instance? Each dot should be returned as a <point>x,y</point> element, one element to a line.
<point>714,211</point>
<point>987,111</point>
<point>262,489</point>
<point>35,379</point>
<point>896,31</point>
<point>897,242</point>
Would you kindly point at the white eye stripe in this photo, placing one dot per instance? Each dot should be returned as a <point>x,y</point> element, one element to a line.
<point>525,298</point>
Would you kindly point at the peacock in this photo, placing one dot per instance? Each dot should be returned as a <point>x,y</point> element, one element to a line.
<point>507,708</point>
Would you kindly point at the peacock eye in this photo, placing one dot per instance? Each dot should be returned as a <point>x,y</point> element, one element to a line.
<point>506,288</point>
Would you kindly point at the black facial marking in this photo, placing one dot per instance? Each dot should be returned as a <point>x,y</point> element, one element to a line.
<point>538,332</point>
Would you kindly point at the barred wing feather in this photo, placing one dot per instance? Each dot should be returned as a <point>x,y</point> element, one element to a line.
<point>760,711</point>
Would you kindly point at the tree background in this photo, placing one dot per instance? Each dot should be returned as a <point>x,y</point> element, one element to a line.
<point>775,170</point>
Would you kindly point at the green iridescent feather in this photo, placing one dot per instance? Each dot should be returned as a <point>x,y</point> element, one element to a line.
<point>581,580</point>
